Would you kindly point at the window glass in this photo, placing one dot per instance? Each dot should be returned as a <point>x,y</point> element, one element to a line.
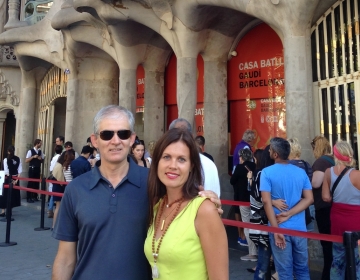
<point>29,10</point>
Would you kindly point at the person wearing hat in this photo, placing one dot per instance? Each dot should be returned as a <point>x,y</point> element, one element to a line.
<point>81,165</point>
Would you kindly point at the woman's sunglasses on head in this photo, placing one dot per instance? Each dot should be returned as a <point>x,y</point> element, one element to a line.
<point>313,144</point>
<point>107,135</point>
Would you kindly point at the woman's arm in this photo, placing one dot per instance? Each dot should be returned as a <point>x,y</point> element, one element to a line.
<point>213,240</point>
<point>355,178</point>
<point>280,204</point>
<point>326,195</point>
<point>19,167</point>
<point>6,168</point>
<point>317,179</point>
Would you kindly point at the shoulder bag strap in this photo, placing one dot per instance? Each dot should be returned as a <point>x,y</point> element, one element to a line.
<point>329,159</point>
<point>338,180</point>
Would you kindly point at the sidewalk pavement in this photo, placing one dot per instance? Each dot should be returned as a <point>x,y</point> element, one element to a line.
<point>33,256</point>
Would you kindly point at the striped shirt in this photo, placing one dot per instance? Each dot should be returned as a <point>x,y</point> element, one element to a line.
<point>67,174</point>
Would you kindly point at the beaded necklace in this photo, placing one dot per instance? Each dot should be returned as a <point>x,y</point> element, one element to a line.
<point>155,252</point>
<point>168,205</point>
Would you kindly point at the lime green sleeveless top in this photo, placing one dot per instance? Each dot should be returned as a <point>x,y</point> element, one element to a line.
<point>180,254</point>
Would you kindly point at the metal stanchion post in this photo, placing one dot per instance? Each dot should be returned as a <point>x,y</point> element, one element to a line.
<point>8,220</point>
<point>350,243</point>
<point>8,204</point>
<point>42,219</point>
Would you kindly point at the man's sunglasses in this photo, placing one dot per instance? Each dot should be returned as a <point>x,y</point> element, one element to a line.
<point>107,135</point>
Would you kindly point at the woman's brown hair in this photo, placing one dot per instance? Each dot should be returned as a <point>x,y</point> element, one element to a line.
<point>69,157</point>
<point>156,189</point>
<point>321,146</point>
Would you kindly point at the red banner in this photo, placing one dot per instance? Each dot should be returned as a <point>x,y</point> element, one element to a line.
<point>140,89</point>
<point>256,87</point>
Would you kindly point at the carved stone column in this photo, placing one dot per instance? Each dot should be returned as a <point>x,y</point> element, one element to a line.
<point>2,15</point>
<point>127,89</point>
<point>13,22</point>
<point>186,88</point>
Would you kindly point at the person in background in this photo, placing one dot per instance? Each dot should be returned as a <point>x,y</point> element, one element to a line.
<point>69,146</point>
<point>35,158</point>
<point>242,186</point>
<point>192,242</point>
<point>290,183</point>
<point>323,160</point>
<point>246,143</point>
<point>58,150</point>
<point>258,217</point>
<point>58,175</point>
<point>12,167</point>
<point>294,158</point>
<point>60,141</point>
<point>81,165</point>
<point>88,142</point>
<point>345,209</point>
<point>150,150</point>
<point>200,141</point>
<point>138,149</point>
<point>68,159</point>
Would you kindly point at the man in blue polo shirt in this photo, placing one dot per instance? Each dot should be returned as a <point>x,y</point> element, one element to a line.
<point>102,222</point>
<point>81,165</point>
<point>288,182</point>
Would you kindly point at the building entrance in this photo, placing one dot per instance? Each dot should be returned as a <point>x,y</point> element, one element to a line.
<point>51,122</point>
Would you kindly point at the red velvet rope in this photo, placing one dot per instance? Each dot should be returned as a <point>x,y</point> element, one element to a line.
<point>237,203</point>
<point>39,180</point>
<point>310,235</point>
<point>35,191</point>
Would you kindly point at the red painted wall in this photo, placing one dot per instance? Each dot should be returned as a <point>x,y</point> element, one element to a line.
<point>256,87</point>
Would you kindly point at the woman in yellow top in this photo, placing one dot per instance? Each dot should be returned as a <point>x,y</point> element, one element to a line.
<point>186,238</point>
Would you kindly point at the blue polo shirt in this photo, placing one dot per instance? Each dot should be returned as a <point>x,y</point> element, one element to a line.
<point>79,166</point>
<point>109,225</point>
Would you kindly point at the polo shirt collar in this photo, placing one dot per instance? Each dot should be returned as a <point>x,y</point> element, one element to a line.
<point>132,175</point>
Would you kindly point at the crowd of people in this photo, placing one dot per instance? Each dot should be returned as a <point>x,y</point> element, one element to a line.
<point>281,191</point>
<point>134,213</point>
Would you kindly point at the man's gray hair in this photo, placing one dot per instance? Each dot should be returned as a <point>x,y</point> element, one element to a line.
<point>113,112</point>
<point>281,146</point>
<point>181,120</point>
<point>248,136</point>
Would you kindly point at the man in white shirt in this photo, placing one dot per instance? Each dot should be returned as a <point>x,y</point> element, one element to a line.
<point>35,158</point>
<point>210,173</point>
<point>58,151</point>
